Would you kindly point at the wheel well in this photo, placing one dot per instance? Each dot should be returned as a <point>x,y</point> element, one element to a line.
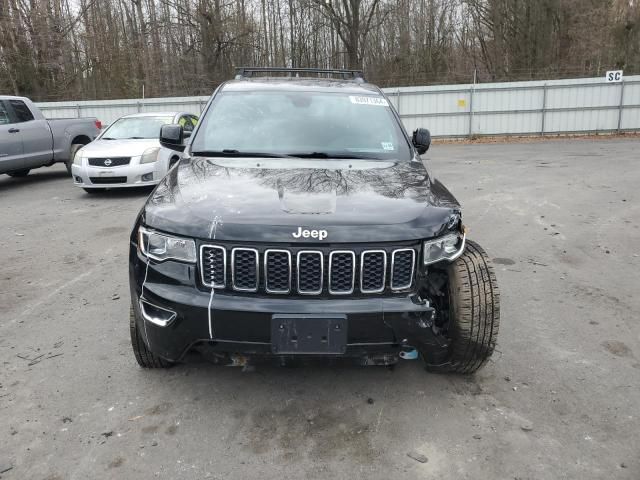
<point>436,289</point>
<point>81,139</point>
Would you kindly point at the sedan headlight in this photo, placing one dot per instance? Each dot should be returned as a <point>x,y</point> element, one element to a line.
<point>150,155</point>
<point>160,246</point>
<point>448,247</point>
<point>77,159</point>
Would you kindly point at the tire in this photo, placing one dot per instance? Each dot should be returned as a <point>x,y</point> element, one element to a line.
<point>19,173</point>
<point>94,190</point>
<point>145,358</point>
<point>474,312</point>
<point>72,154</point>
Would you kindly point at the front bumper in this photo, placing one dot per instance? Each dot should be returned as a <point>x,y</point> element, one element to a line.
<point>234,323</point>
<point>132,175</point>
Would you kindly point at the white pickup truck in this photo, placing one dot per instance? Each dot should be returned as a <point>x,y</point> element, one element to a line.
<point>28,140</point>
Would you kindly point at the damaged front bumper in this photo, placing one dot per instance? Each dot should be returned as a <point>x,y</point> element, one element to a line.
<point>174,316</point>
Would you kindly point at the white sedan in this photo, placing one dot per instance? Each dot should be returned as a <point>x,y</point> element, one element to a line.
<point>128,152</point>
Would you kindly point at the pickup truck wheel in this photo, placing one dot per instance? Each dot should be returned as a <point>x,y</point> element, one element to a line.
<point>19,173</point>
<point>145,358</point>
<point>474,312</point>
<point>72,154</point>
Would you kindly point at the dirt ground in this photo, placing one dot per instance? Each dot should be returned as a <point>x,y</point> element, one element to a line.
<point>559,400</point>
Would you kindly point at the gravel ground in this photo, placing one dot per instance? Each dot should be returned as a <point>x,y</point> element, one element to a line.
<point>560,398</point>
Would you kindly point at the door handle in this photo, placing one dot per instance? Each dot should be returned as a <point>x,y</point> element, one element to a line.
<point>14,130</point>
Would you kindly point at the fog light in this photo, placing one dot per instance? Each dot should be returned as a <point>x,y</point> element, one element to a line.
<point>78,179</point>
<point>147,177</point>
<point>156,315</point>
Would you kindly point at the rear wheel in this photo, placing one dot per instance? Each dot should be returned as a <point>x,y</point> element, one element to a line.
<point>474,312</point>
<point>72,154</point>
<point>144,356</point>
<point>94,190</point>
<point>19,173</point>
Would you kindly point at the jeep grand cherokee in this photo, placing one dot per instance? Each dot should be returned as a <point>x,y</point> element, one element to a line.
<point>301,222</point>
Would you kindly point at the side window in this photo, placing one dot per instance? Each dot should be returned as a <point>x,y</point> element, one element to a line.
<point>186,124</point>
<point>4,114</point>
<point>23,114</point>
<point>185,121</point>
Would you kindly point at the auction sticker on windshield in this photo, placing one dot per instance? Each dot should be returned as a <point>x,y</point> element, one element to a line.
<point>376,101</point>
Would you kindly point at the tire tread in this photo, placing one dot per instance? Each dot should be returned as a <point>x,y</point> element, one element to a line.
<point>475,311</point>
<point>144,357</point>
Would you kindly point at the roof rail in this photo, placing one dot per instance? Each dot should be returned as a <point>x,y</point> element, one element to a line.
<point>248,72</point>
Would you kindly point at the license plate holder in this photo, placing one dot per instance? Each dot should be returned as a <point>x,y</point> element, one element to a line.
<point>310,334</point>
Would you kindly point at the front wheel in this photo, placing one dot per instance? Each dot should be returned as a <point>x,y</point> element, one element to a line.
<point>72,155</point>
<point>144,356</point>
<point>474,312</point>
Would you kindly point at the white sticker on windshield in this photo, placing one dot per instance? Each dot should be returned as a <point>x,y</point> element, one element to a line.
<point>387,145</point>
<point>376,101</point>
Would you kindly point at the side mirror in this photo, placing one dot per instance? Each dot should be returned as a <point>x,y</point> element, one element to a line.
<point>421,139</point>
<point>172,137</point>
<point>186,133</point>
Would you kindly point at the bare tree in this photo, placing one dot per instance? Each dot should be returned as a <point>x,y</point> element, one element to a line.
<point>82,49</point>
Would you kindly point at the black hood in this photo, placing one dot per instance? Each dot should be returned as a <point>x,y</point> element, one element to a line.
<point>266,200</point>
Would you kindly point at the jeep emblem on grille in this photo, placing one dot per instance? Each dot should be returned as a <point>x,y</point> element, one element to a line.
<point>107,162</point>
<point>319,234</point>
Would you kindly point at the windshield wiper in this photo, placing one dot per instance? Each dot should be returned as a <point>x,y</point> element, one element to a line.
<point>135,138</point>
<point>331,155</point>
<point>107,138</point>
<point>228,152</point>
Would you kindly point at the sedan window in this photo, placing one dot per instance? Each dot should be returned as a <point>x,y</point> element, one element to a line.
<point>136,128</point>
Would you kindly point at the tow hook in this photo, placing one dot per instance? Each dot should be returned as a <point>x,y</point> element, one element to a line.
<point>408,353</point>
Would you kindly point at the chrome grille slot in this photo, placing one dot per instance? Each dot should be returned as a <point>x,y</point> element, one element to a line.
<point>342,272</point>
<point>244,269</point>
<point>277,271</point>
<point>310,271</point>
<point>213,271</point>
<point>385,270</point>
<point>402,265</point>
<point>373,271</point>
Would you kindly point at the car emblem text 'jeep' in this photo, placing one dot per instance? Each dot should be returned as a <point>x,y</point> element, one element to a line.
<point>319,234</point>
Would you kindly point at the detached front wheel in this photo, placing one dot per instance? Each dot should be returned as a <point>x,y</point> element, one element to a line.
<point>144,356</point>
<point>474,312</point>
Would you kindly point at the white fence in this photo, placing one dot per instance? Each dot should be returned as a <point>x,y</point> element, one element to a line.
<point>587,105</point>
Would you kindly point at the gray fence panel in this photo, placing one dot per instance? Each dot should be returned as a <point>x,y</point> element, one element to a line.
<point>513,108</point>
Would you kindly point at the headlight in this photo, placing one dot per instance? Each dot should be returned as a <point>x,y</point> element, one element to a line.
<point>164,247</point>
<point>77,159</point>
<point>150,155</point>
<point>448,247</point>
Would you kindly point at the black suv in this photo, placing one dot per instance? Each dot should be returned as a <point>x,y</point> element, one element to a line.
<point>302,222</point>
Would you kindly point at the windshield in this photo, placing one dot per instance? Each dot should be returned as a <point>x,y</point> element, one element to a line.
<point>136,127</point>
<point>307,124</point>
